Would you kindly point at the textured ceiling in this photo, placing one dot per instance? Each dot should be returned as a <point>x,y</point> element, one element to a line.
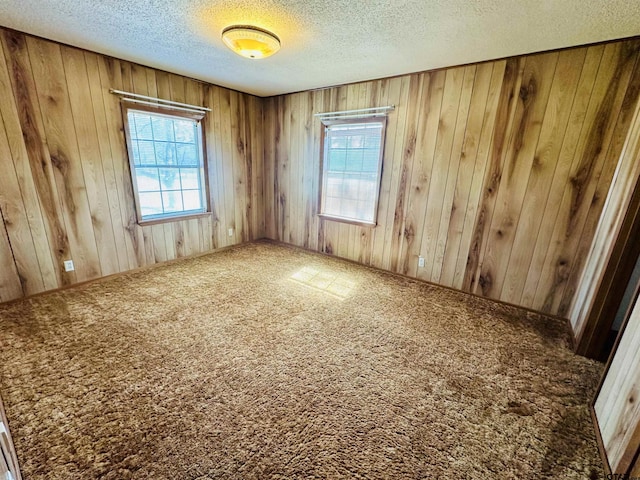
<point>324,42</point>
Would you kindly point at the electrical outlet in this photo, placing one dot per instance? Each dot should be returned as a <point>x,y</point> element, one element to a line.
<point>421,261</point>
<point>68,266</point>
<point>231,232</point>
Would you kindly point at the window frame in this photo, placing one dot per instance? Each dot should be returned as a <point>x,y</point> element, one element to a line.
<point>171,112</point>
<point>326,124</point>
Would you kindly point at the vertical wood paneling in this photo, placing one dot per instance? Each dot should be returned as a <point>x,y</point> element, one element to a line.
<point>546,245</point>
<point>10,284</point>
<point>625,183</point>
<point>543,169</point>
<point>65,185</point>
<point>578,199</point>
<point>25,129</point>
<point>423,166</point>
<point>616,406</point>
<point>501,132</point>
<point>465,192</point>
<point>532,102</point>
<point>496,173</point>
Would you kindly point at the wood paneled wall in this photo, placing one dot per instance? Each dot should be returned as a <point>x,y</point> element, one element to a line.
<point>618,226</point>
<point>496,173</point>
<point>65,186</point>
<point>617,407</point>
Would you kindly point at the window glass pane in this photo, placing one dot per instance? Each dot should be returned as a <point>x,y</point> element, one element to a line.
<point>135,152</point>
<point>337,160</point>
<point>162,129</point>
<point>166,153</point>
<point>192,199</point>
<point>370,161</point>
<point>167,163</point>
<point>146,152</point>
<point>356,141</point>
<point>354,161</point>
<point>169,178</point>
<point>372,141</point>
<point>185,131</point>
<point>338,142</point>
<point>190,178</point>
<point>332,206</point>
<point>150,203</point>
<point>187,154</point>
<point>172,201</point>
<point>147,179</point>
<point>142,124</point>
<point>351,178</point>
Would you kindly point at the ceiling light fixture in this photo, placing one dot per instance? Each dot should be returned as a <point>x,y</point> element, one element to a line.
<point>250,42</point>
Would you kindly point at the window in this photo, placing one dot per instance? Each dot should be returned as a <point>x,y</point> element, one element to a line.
<point>167,163</point>
<point>351,170</point>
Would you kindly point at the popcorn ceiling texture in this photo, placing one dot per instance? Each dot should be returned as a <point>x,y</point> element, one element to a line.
<point>325,42</point>
<point>223,367</point>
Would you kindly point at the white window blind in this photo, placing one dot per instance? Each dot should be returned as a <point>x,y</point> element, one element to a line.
<point>351,170</point>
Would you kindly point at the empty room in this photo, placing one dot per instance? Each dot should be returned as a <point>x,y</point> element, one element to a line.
<point>319,239</point>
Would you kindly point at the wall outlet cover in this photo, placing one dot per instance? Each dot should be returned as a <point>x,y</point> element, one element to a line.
<point>68,266</point>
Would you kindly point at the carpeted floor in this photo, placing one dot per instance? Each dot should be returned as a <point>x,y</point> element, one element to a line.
<point>265,361</point>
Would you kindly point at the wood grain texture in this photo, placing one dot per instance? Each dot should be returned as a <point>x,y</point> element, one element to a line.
<point>65,184</point>
<point>496,173</point>
<point>8,457</point>
<point>616,406</point>
<point>617,225</point>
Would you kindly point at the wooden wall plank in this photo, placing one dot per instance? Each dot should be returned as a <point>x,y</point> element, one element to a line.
<point>604,106</point>
<point>16,222</point>
<point>90,157</point>
<point>461,110</point>
<point>466,173</point>
<point>544,244</point>
<point>107,155</point>
<point>532,102</point>
<point>616,406</point>
<point>10,283</point>
<point>33,163</point>
<point>403,234</point>
<point>473,207</point>
<point>422,174</point>
<point>53,96</point>
<point>543,170</point>
<point>505,113</point>
<point>588,303</point>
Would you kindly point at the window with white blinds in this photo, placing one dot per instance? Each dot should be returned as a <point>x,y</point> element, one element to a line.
<point>167,164</point>
<point>351,170</point>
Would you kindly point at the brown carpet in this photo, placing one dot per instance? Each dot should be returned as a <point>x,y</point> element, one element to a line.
<point>265,361</point>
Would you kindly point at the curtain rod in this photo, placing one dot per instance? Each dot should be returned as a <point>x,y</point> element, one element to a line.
<point>158,100</point>
<point>362,115</point>
<point>358,112</point>
<point>201,113</point>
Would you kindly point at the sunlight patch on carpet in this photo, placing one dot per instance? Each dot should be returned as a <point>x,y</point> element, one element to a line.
<point>326,281</point>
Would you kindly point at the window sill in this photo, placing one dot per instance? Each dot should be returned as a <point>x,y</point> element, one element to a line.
<point>346,220</point>
<point>177,218</point>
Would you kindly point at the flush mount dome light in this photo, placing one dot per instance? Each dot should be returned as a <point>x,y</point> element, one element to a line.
<point>250,42</point>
